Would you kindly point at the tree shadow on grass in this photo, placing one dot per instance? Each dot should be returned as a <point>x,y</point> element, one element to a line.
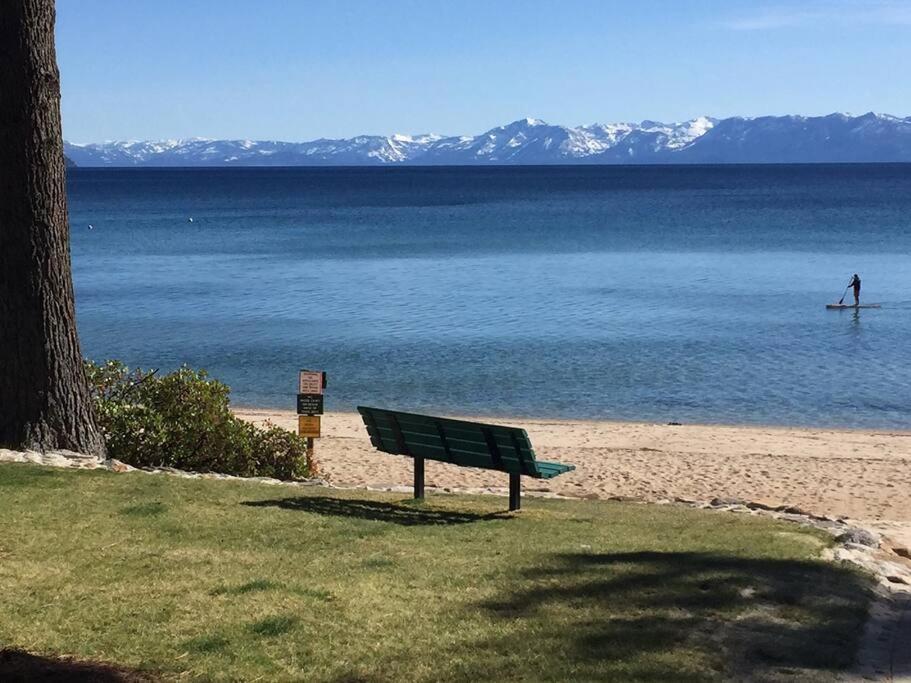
<point>676,615</point>
<point>17,666</point>
<point>406,515</point>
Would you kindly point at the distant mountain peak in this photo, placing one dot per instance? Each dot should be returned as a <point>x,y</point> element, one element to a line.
<point>521,124</point>
<point>836,137</point>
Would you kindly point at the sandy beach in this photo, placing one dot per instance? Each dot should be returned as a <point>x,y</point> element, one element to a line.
<point>864,475</point>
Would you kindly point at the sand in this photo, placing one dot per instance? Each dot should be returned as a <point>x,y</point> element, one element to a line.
<point>864,475</point>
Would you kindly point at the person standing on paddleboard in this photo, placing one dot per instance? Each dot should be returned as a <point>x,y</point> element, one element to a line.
<point>855,283</point>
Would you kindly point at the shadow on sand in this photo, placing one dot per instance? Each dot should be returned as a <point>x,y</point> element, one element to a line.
<point>410,514</point>
<point>651,615</point>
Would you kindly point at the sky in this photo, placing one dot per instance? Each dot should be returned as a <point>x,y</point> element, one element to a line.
<point>303,69</point>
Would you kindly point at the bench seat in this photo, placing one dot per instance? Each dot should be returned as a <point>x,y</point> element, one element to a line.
<point>549,470</point>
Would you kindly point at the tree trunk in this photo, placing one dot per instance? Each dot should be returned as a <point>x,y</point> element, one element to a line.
<point>44,396</point>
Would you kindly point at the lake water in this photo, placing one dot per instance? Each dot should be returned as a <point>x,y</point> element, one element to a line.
<point>686,294</point>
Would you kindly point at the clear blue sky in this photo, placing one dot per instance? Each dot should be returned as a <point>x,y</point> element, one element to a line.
<point>302,69</point>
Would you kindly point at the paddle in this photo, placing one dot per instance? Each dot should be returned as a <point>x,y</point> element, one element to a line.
<point>842,299</point>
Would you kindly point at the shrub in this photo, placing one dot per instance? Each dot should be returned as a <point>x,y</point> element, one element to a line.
<point>183,420</point>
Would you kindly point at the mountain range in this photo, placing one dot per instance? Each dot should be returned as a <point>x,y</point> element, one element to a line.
<point>767,139</point>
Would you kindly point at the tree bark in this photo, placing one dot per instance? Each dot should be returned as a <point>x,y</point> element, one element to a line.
<point>44,397</point>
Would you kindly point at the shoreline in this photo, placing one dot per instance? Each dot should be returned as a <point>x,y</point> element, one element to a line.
<point>239,409</point>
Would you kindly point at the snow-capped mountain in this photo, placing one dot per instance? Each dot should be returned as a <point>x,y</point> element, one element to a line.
<point>768,139</point>
<point>800,139</point>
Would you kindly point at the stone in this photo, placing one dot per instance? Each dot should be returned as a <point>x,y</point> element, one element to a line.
<point>72,455</point>
<point>59,458</point>
<point>760,505</point>
<point>314,481</point>
<point>793,510</point>
<point>718,502</point>
<point>902,551</point>
<point>858,536</point>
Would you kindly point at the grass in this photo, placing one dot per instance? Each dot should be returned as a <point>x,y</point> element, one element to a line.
<point>221,580</point>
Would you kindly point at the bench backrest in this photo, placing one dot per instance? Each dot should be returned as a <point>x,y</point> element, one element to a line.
<point>470,444</point>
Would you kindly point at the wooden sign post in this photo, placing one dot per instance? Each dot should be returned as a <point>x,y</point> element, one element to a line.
<point>310,387</point>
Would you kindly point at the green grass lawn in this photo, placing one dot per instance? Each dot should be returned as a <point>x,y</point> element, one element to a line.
<point>223,580</point>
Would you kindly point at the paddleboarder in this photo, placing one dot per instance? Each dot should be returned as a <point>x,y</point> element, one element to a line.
<point>855,283</point>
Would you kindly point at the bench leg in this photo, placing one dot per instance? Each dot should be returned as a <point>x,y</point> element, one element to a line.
<point>515,491</point>
<point>418,478</point>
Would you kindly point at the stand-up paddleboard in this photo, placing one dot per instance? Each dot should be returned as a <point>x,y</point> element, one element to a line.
<point>841,306</point>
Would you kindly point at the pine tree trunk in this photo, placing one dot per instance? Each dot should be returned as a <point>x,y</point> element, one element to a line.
<point>44,396</point>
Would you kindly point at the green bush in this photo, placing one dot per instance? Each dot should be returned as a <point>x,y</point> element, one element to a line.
<point>182,420</point>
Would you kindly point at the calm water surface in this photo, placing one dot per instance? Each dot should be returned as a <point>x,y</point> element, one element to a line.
<point>657,293</point>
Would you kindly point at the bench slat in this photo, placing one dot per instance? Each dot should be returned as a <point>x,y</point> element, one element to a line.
<point>504,442</point>
<point>417,423</point>
<point>460,450</point>
<point>505,447</point>
<point>468,459</point>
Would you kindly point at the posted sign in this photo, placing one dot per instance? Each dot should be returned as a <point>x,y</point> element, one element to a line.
<point>311,382</point>
<point>309,404</point>
<point>310,386</point>
<point>308,426</point>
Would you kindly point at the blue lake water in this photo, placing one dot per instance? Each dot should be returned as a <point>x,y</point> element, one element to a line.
<point>688,294</point>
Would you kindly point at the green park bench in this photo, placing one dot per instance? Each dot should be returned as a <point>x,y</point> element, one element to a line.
<point>469,444</point>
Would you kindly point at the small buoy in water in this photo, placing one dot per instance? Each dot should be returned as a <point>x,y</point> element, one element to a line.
<point>91,227</point>
<point>190,219</point>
